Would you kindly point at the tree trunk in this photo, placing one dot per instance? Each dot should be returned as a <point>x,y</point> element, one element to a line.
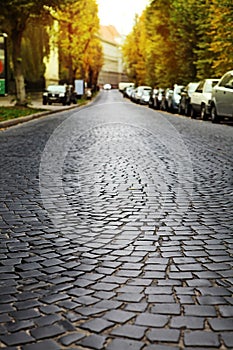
<point>17,64</point>
<point>90,78</point>
<point>70,69</point>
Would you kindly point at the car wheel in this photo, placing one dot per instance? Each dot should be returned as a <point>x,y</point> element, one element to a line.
<point>193,113</point>
<point>156,104</point>
<point>180,109</point>
<point>50,103</point>
<point>187,110</point>
<point>214,116</point>
<point>203,113</point>
<point>44,101</point>
<point>168,108</point>
<point>162,106</point>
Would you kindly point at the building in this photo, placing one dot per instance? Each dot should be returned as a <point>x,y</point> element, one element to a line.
<point>112,70</point>
<point>52,61</point>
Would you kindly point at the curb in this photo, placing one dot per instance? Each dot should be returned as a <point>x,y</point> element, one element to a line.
<point>12,122</point>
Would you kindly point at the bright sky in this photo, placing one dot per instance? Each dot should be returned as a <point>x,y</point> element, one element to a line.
<point>120,13</point>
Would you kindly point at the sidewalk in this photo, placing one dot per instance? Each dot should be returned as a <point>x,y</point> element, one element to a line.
<point>36,102</point>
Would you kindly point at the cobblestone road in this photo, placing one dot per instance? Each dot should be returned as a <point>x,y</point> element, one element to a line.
<point>116,231</point>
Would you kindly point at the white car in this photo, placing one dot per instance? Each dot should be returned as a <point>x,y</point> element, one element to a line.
<point>201,98</point>
<point>222,98</point>
<point>128,91</point>
<point>139,91</point>
<point>107,86</point>
<point>144,99</point>
<point>174,97</point>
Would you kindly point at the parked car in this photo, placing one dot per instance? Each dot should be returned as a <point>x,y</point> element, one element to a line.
<point>73,93</point>
<point>173,98</point>
<point>144,99</point>
<point>153,93</point>
<point>138,92</point>
<point>184,105</point>
<point>156,97</point>
<point>164,99</point>
<point>122,85</point>
<point>132,95</point>
<point>57,94</point>
<point>222,98</point>
<point>201,98</point>
<point>128,91</point>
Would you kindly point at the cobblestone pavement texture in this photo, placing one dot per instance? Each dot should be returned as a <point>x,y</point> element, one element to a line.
<point>116,231</point>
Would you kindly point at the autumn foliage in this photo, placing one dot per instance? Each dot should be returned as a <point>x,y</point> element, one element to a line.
<point>80,49</point>
<point>25,23</point>
<point>178,41</point>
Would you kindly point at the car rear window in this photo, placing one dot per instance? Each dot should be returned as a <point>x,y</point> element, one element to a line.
<point>56,88</point>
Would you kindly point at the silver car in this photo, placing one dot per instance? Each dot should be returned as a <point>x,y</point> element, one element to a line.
<point>222,98</point>
<point>201,97</point>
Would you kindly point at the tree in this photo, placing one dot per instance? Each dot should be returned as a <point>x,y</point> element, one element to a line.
<point>134,52</point>
<point>162,48</point>
<point>184,40</point>
<point>93,62</point>
<point>33,59</point>
<point>183,20</point>
<point>221,35</point>
<point>204,56</point>
<point>79,26</point>
<point>15,15</point>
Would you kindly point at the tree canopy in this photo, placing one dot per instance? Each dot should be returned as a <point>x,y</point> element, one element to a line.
<point>78,20</point>
<point>221,35</point>
<point>80,49</point>
<point>14,16</point>
<point>181,41</point>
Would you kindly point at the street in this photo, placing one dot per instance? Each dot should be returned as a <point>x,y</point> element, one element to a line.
<point>116,230</point>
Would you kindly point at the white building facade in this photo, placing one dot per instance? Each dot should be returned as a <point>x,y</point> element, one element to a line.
<point>112,71</point>
<point>52,61</point>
